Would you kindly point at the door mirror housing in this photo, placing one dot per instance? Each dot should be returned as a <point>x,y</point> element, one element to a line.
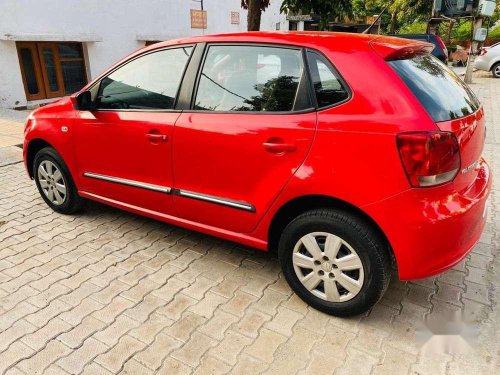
<point>84,101</point>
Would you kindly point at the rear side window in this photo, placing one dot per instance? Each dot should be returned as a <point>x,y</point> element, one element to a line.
<point>148,82</point>
<point>328,87</point>
<point>443,94</point>
<point>250,78</point>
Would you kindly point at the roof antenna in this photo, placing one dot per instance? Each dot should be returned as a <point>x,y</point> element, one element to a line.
<point>376,20</point>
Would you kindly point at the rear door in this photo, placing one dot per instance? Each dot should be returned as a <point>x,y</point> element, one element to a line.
<point>249,128</point>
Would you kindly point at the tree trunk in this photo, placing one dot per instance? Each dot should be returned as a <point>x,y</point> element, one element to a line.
<point>323,22</point>
<point>394,21</point>
<point>254,14</point>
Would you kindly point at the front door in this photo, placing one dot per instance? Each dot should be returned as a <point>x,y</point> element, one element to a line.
<point>249,130</point>
<point>124,146</point>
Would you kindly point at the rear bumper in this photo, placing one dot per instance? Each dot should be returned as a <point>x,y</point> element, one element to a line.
<point>431,230</point>
<point>482,64</point>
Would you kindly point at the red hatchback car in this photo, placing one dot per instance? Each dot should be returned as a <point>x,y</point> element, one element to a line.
<point>345,153</point>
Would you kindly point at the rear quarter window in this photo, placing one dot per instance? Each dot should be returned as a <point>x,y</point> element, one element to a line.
<point>443,94</point>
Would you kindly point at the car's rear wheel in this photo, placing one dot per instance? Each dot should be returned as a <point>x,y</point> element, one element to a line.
<point>54,182</point>
<point>495,70</point>
<point>335,261</point>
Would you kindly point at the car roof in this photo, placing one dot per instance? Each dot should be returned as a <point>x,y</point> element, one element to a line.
<point>338,41</point>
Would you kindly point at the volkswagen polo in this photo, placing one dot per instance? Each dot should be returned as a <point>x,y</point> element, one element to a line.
<point>347,154</point>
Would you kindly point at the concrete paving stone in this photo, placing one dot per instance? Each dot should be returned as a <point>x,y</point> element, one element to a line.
<point>357,362</point>
<point>184,327</point>
<point>284,321</point>
<point>132,367</point>
<point>238,304</point>
<point>192,351</point>
<point>79,358</point>
<point>110,311</point>
<point>95,369</point>
<point>38,339</point>
<point>154,355</point>
<point>212,366</point>
<point>75,337</point>
<point>218,324</point>
<point>251,322</point>
<point>248,365</point>
<point>147,331</point>
<point>171,366</point>
<point>17,351</point>
<point>42,359</point>
<point>230,347</point>
<point>177,306</point>
<point>112,333</point>
<point>265,345</point>
<point>114,359</point>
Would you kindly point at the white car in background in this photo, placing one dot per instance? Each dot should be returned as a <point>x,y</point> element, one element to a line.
<point>489,60</point>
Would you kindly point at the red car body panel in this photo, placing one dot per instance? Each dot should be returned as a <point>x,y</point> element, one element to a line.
<point>347,152</point>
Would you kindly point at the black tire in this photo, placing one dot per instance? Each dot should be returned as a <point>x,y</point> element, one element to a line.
<point>495,70</point>
<point>369,247</point>
<point>72,202</point>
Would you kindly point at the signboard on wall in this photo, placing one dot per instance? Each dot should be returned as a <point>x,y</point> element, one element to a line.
<point>235,18</point>
<point>299,17</point>
<point>198,19</point>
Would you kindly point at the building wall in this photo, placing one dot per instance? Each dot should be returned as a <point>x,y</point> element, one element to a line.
<point>111,28</point>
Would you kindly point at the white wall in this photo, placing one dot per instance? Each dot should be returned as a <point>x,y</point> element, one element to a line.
<point>116,24</point>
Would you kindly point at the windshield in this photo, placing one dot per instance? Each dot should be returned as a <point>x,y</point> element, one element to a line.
<point>443,94</point>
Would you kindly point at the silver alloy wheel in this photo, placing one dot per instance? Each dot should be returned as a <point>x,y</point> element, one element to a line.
<point>328,267</point>
<point>496,71</point>
<point>52,182</point>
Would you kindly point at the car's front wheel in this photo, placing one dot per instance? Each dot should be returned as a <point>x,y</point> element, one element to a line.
<point>495,70</point>
<point>334,261</point>
<point>54,182</point>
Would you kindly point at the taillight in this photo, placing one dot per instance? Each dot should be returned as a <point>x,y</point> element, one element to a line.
<point>442,45</point>
<point>483,52</point>
<point>429,158</point>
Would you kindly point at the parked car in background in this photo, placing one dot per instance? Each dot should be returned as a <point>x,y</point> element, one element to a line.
<point>440,50</point>
<point>343,152</point>
<point>489,60</point>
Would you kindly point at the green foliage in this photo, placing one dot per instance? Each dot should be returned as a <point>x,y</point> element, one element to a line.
<point>494,33</point>
<point>263,4</point>
<point>326,9</point>
<point>462,32</point>
<point>413,28</point>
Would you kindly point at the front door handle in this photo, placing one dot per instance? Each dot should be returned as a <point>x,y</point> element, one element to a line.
<point>278,147</point>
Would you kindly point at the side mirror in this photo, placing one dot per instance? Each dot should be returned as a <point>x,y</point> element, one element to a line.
<point>84,101</point>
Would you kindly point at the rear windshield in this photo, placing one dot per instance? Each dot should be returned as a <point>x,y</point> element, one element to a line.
<point>443,94</point>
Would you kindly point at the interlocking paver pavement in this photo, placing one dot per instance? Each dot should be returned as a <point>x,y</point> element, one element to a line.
<point>107,291</point>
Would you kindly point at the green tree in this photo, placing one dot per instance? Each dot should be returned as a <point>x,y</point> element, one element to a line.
<point>399,14</point>
<point>326,9</point>
<point>255,9</point>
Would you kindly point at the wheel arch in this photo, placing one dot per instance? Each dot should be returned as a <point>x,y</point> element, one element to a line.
<point>34,146</point>
<point>293,208</point>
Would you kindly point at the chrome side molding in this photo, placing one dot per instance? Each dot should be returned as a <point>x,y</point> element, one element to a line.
<point>124,181</point>
<point>210,198</point>
<point>168,190</point>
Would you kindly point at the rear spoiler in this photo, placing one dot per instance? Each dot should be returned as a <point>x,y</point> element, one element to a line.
<point>398,48</point>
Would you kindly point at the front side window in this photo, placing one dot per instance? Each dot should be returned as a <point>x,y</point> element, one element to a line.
<point>328,87</point>
<point>250,78</point>
<point>148,82</point>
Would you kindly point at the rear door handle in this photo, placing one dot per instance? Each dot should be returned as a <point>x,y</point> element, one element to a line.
<point>278,147</point>
<point>153,137</point>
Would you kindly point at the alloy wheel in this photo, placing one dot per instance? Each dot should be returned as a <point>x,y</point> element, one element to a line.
<point>496,71</point>
<point>328,267</point>
<point>52,182</point>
